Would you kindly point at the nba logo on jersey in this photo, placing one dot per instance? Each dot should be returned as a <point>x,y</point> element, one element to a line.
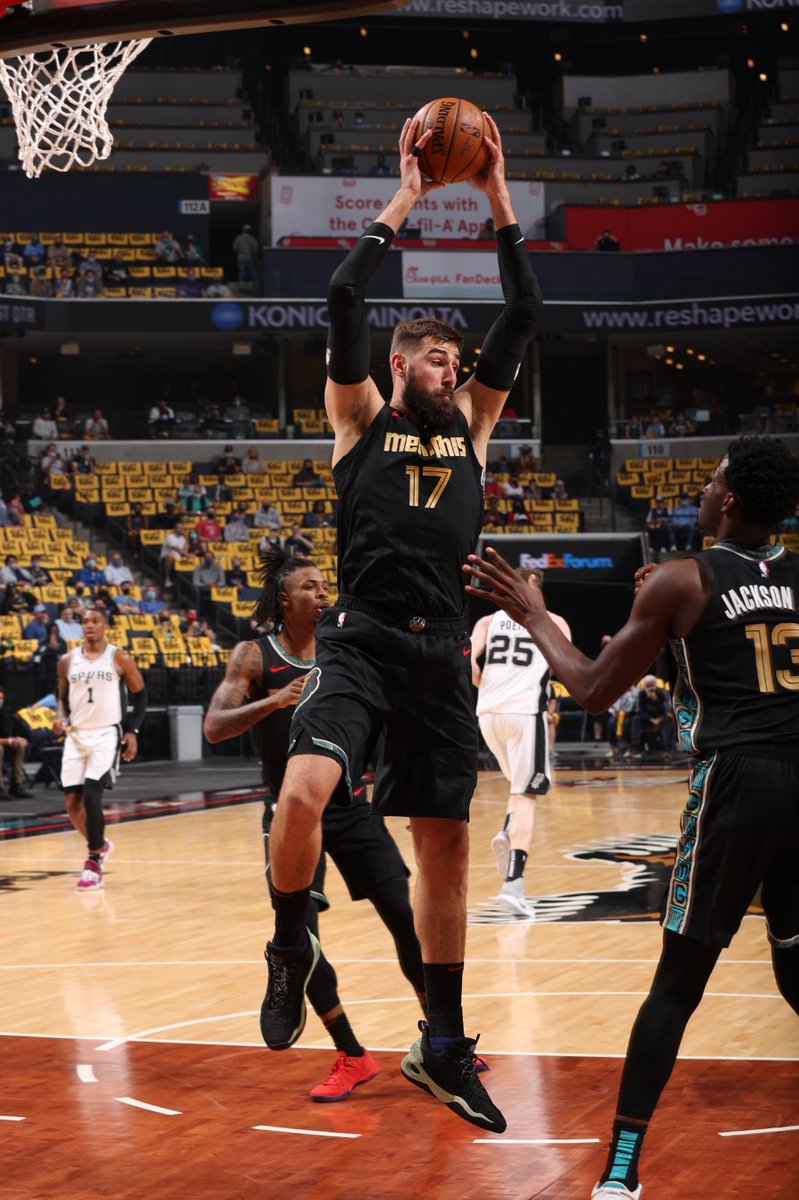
<point>341,619</point>
<point>764,569</point>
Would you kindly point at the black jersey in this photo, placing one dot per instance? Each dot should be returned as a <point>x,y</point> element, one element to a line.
<point>410,512</point>
<point>738,668</point>
<point>272,734</point>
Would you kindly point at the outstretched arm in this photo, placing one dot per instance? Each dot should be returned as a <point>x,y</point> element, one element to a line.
<point>670,604</point>
<point>351,397</point>
<point>231,711</point>
<point>483,397</point>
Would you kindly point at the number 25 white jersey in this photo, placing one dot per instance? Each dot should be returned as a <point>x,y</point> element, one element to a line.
<point>515,677</point>
<point>95,696</point>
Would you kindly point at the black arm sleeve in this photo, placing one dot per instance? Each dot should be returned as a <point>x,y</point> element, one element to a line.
<point>506,341</point>
<point>348,347</point>
<point>135,716</point>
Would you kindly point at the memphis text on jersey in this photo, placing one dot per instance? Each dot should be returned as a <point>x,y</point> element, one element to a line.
<point>437,447</point>
<point>748,597</point>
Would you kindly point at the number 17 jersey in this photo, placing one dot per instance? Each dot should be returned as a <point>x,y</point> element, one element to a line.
<point>515,677</point>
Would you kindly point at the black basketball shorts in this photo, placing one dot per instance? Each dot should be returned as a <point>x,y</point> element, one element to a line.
<point>372,677</point>
<point>740,831</point>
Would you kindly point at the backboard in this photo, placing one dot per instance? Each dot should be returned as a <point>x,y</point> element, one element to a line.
<point>28,25</point>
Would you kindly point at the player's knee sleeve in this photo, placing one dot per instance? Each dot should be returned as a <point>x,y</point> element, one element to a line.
<point>95,821</point>
<point>322,988</point>
<point>391,899</point>
<point>785,959</point>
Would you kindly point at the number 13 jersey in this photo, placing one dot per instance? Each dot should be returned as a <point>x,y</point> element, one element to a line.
<point>410,512</point>
<point>515,677</point>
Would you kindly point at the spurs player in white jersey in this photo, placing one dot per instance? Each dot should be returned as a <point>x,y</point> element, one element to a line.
<point>90,706</point>
<point>512,709</point>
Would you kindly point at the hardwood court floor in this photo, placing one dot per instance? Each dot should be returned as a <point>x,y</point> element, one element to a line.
<point>133,1063</point>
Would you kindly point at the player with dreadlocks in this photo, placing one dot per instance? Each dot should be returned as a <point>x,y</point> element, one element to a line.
<point>263,684</point>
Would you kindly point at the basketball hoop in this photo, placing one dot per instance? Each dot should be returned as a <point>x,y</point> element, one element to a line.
<point>59,99</point>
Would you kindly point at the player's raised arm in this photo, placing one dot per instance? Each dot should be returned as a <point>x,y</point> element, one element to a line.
<point>351,396</point>
<point>483,397</point>
<point>231,710</point>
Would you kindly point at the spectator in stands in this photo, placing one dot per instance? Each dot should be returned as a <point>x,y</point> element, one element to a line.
<point>511,488</point>
<point>238,413</point>
<point>269,540</point>
<point>169,518</point>
<point>559,490</point>
<point>380,167</point>
<point>658,527</point>
<point>518,514</point>
<point>36,628</point>
<point>208,573</point>
<point>64,286</point>
<point>684,523</point>
<point>492,485</point>
<point>16,600</point>
<point>39,575</point>
<point>59,257</point>
<point>252,464</point>
<point>195,547</point>
<point>192,254</point>
<point>52,461</point>
<point>208,527</point>
<point>44,426</point>
<point>193,497</point>
<point>298,544</point>
<point>267,516</point>
<point>15,747</point>
<point>12,260</point>
<point>607,242</point>
<point>41,284</point>
<point>175,546</point>
<point>487,232</point>
<point>631,173</point>
<point>526,462</point>
<point>191,287</point>
<point>214,423</point>
<point>34,252</point>
<point>219,492</point>
<point>80,598</point>
<point>245,247</point>
<point>236,529</point>
<point>161,419</point>
<point>317,518</point>
<point>493,517</point>
<point>359,121</point>
<point>15,509</point>
<point>619,722</point>
<point>15,285</point>
<point>167,249</point>
<point>116,273</point>
<point>218,290</point>
<point>96,427</point>
<point>307,476</point>
<point>652,722</point>
<point>60,415</point>
<point>5,516</point>
<point>89,286</point>
<point>655,428</point>
<point>152,605</point>
<point>126,602</point>
<point>12,572</point>
<point>227,463</point>
<point>681,426</point>
<point>90,574</point>
<point>68,624</point>
<point>82,463</point>
<point>117,572</point>
<point>236,575</point>
<point>137,520</point>
<point>30,495</point>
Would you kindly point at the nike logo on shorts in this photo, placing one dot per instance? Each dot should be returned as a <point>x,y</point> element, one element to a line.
<point>274,670</point>
<point>466,650</point>
<point>375,238</point>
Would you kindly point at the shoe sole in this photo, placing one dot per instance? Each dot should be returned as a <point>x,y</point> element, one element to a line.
<point>297,1032</point>
<point>609,1193</point>
<point>415,1073</point>
<point>344,1095</point>
<point>89,887</point>
<point>501,847</point>
<point>520,907</point>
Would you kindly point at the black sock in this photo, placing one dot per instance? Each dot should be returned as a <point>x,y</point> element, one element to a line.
<point>444,987</point>
<point>343,1037</point>
<point>94,856</point>
<point>290,916</point>
<point>516,861</point>
<point>625,1147</point>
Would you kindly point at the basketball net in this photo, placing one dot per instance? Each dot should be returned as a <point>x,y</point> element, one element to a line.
<point>59,99</point>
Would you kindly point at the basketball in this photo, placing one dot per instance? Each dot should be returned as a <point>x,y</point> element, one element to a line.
<point>456,151</point>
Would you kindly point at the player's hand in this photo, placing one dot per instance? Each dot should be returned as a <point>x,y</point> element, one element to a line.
<point>59,725</point>
<point>410,176</point>
<point>492,179</point>
<point>506,589</point>
<point>643,573</point>
<point>19,742</point>
<point>130,747</point>
<point>290,694</point>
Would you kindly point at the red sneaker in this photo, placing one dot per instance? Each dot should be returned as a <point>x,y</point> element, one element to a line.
<point>347,1074</point>
<point>91,876</point>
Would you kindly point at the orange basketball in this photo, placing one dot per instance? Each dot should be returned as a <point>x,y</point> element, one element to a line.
<point>456,150</point>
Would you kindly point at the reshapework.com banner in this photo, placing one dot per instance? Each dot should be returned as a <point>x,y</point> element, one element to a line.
<point>585,11</point>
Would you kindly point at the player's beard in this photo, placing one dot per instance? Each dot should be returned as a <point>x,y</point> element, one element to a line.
<point>434,409</point>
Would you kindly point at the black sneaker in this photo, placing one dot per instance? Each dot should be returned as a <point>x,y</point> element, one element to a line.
<point>283,1009</point>
<point>451,1077</point>
<point>20,792</point>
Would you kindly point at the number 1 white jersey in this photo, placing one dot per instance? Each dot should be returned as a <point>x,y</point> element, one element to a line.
<point>95,695</point>
<point>515,677</point>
